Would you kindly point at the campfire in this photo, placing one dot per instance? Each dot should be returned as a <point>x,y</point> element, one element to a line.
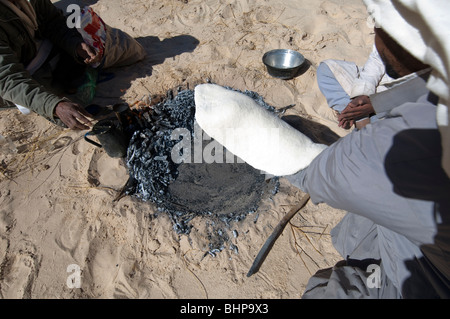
<point>174,165</point>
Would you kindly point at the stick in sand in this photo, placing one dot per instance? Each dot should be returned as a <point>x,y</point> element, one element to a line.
<point>273,237</point>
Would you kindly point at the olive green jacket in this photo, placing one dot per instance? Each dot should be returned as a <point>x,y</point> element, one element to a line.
<point>17,49</point>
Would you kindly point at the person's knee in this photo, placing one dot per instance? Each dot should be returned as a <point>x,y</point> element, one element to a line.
<point>330,87</point>
<point>323,72</point>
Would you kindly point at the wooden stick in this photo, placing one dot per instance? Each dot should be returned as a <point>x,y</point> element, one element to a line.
<point>275,234</point>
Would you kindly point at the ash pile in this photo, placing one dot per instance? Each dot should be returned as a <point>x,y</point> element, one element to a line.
<point>220,192</point>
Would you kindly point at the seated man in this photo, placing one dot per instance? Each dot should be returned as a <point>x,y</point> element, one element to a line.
<point>390,177</point>
<point>41,58</point>
<point>349,89</point>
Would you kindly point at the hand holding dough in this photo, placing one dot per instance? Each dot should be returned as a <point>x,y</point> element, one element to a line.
<point>251,132</point>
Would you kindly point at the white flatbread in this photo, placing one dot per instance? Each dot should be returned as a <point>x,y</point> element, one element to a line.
<point>251,132</point>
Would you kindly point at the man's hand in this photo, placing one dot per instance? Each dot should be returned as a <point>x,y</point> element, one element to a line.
<point>73,115</point>
<point>87,53</point>
<point>359,108</point>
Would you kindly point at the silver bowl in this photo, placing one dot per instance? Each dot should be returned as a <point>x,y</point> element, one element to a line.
<point>283,63</point>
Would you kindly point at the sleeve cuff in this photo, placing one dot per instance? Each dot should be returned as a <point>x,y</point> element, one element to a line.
<point>359,89</point>
<point>50,106</point>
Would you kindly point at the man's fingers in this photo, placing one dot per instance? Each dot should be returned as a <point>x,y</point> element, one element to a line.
<point>88,53</point>
<point>74,124</point>
<point>345,123</point>
<point>347,116</point>
<point>353,104</point>
<point>92,53</point>
<point>85,113</point>
<point>89,50</point>
<point>82,116</point>
<point>77,123</point>
<point>81,119</point>
<point>80,126</point>
<point>357,113</point>
<point>351,110</point>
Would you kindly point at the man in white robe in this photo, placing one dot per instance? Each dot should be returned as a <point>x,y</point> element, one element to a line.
<point>392,177</point>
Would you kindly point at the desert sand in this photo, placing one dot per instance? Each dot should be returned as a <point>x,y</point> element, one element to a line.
<point>57,214</point>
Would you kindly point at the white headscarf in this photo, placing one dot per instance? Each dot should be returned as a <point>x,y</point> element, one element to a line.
<point>423,28</point>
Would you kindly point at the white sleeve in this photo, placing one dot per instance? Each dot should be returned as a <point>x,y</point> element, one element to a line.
<point>369,76</point>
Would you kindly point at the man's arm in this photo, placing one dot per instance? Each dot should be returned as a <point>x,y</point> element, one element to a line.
<point>53,26</point>
<point>351,173</point>
<point>369,78</point>
<point>17,86</point>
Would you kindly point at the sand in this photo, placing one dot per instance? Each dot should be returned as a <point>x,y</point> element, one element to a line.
<point>58,219</point>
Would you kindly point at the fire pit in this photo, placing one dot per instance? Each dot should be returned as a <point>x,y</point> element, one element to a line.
<point>186,175</point>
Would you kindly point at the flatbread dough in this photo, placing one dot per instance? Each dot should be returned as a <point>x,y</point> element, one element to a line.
<point>251,132</point>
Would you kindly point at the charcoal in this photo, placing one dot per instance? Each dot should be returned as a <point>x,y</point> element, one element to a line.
<point>234,248</point>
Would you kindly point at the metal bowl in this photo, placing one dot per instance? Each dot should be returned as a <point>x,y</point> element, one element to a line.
<point>283,63</point>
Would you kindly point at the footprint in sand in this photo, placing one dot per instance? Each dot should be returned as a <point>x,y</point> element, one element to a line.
<point>106,171</point>
<point>19,271</point>
<point>61,142</point>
